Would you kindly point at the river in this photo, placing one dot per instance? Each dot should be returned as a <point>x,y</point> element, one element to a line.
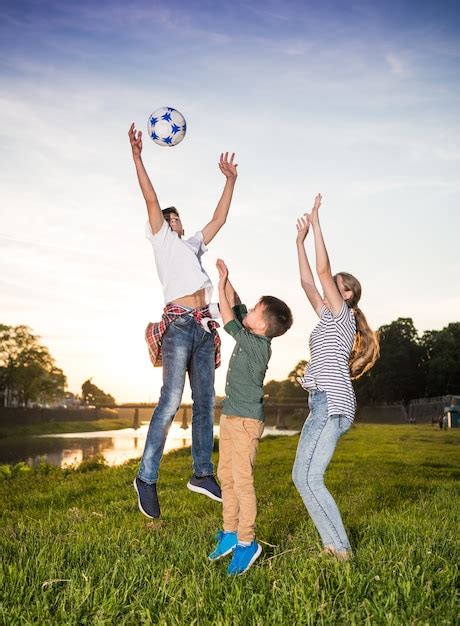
<point>115,446</point>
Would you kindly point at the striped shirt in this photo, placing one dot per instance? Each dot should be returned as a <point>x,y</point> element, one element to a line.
<point>331,342</point>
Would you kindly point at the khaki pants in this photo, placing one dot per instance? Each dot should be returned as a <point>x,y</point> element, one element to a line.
<point>238,441</point>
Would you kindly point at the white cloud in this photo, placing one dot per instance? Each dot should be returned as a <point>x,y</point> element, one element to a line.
<point>398,66</point>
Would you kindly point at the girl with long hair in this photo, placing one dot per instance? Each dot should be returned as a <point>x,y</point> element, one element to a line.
<point>342,348</point>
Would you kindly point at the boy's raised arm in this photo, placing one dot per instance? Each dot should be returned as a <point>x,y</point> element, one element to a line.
<point>232,297</point>
<point>156,218</point>
<point>226,292</point>
<point>228,169</point>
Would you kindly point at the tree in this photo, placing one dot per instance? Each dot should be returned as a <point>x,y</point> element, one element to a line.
<point>409,367</point>
<point>399,373</point>
<point>91,394</point>
<point>288,389</point>
<point>27,370</point>
<point>297,372</point>
<point>442,360</point>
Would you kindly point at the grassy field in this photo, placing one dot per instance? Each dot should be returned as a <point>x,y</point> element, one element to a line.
<point>77,551</point>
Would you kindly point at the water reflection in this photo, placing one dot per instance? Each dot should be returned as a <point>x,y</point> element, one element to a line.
<point>115,446</point>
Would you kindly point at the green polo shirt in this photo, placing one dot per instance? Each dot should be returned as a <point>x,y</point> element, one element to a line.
<point>244,389</point>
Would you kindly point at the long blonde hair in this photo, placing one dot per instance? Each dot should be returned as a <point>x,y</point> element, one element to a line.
<point>366,349</point>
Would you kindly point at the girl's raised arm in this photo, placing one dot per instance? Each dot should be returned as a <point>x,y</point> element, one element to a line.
<point>323,267</point>
<point>306,277</point>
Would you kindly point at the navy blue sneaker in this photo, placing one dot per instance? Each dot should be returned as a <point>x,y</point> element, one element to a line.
<point>207,485</point>
<point>147,498</point>
<point>243,558</point>
<point>225,544</point>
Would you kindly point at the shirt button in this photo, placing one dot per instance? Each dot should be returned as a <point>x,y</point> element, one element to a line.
<point>229,369</point>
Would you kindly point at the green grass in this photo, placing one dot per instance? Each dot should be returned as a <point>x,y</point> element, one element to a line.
<point>76,550</point>
<point>77,426</point>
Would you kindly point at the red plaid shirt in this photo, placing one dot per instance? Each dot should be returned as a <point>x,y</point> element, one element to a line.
<point>155,331</point>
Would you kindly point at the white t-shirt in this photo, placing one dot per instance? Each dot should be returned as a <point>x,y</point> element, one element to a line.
<point>178,263</point>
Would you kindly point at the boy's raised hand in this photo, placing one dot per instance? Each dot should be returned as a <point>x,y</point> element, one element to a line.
<point>303,226</point>
<point>226,293</point>
<point>135,138</point>
<point>227,167</point>
<point>223,271</point>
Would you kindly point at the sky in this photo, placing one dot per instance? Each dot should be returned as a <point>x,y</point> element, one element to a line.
<point>356,100</point>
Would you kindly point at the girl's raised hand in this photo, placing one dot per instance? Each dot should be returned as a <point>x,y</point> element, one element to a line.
<point>316,205</point>
<point>303,226</point>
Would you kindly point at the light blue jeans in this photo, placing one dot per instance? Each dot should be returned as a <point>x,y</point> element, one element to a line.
<point>186,348</point>
<point>317,443</point>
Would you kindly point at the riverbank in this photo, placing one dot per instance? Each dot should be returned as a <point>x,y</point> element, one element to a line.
<point>77,550</point>
<point>75,426</point>
<point>293,422</point>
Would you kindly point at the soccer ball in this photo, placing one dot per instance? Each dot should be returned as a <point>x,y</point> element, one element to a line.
<point>166,126</point>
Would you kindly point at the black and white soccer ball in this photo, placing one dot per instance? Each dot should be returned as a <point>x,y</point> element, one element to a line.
<point>166,126</point>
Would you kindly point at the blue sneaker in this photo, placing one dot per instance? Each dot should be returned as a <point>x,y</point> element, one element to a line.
<point>225,544</point>
<point>243,558</point>
<point>147,498</point>
<point>207,485</point>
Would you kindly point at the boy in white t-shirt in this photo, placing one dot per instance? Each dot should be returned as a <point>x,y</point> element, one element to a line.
<point>185,340</point>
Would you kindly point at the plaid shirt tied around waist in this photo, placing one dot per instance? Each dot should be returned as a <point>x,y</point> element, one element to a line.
<point>155,331</point>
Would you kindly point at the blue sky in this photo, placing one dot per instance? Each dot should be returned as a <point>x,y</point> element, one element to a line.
<point>355,100</point>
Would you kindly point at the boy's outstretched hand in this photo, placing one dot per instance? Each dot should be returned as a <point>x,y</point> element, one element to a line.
<point>226,293</point>
<point>223,271</point>
<point>227,167</point>
<point>135,138</point>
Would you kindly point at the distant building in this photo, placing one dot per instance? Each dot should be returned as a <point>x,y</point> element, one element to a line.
<point>71,401</point>
<point>452,412</point>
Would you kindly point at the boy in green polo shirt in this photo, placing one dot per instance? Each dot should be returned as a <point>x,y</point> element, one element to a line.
<point>242,419</point>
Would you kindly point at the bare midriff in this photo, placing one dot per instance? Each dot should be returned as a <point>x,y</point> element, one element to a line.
<point>193,301</point>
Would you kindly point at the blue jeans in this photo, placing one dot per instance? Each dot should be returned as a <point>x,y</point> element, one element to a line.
<point>186,347</point>
<point>318,441</point>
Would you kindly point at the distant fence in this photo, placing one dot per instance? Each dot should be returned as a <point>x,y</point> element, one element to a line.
<point>382,414</point>
<point>425,410</point>
<point>419,411</point>
<point>286,414</point>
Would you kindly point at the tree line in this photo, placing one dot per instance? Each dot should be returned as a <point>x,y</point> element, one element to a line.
<point>410,366</point>
<point>29,375</point>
